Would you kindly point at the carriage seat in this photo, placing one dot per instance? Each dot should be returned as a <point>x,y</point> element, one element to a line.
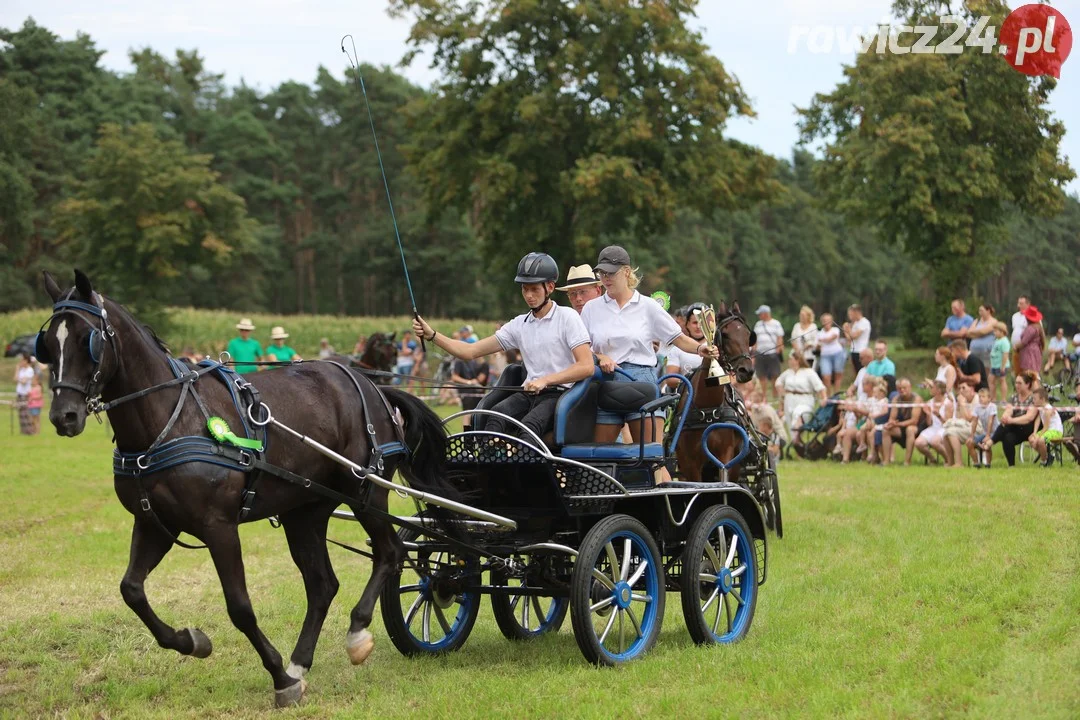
<point>575,418</point>
<point>512,377</point>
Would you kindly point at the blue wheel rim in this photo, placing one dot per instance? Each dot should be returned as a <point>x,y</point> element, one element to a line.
<point>624,608</point>
<point>433,619</point>
<point>727,581</point>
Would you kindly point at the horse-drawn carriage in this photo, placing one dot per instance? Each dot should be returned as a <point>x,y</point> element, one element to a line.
<point>573,526</point>
<point>557,525</point>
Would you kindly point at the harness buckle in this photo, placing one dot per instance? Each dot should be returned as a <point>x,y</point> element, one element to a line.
<point>145,504</point>
<point>244,455</point>
<point>139,463</point>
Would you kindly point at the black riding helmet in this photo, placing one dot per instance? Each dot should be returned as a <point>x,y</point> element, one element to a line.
<point>688,311</point>
<point>537,268</point>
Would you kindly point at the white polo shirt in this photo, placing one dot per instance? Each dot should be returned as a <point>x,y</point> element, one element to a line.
<point>626,334</point>
<point>546,344</point>
<point>685,361</point>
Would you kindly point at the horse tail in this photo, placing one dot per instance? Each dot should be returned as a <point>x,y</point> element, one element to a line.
<point>425,440</point>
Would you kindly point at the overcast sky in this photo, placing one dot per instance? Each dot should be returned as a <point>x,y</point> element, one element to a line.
<point>266,42</point>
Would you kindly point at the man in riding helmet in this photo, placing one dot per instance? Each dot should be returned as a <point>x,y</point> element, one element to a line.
<point>553,342</point>
<point>680,361</point>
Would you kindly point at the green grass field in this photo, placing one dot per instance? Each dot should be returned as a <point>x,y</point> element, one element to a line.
<point>918,592</point>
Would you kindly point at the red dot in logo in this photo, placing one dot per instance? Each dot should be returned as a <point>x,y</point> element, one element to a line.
<point>1036,40</point>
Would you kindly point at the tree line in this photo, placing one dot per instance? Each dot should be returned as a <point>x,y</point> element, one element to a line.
<point>172,188</point>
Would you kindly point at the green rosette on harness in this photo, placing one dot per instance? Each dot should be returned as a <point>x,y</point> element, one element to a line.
<point>219,430</point>
<point>662,298</point>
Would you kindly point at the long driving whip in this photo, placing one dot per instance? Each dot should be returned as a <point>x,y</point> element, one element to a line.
<point>354,61</point>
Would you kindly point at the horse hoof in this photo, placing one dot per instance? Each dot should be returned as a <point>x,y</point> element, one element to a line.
<point>200,644</point>
<point>359,645</point>
<point>290,695</point>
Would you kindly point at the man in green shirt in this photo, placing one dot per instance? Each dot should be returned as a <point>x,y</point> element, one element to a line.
<point>278,350</point>
<point>245,349</point>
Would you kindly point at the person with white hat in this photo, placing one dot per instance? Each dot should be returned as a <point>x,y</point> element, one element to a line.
<point>581,286</point>
<point>770,344</point>
<point>245,349</point>
<point>278,350</point>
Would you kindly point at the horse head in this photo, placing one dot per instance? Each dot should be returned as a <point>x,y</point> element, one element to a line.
<point>381,351</point>
<point>734,338</point>
<point>79,346</point>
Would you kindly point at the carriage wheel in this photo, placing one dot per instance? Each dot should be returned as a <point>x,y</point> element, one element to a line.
<point>425,607</point>
<point>719,581</point>
<point>617,592</point>
<point>525,617</point>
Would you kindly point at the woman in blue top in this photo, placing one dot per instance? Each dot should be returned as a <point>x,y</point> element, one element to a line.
<point>623,326</point>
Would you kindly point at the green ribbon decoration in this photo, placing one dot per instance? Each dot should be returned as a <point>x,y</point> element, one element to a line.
<point>219,430</point>
<point>663,298</point>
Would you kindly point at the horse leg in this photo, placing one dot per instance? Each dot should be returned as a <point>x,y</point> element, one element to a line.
<point>224,544</point>
<point>148,546</point>
<point>388,550</point>
<point>305,529</point>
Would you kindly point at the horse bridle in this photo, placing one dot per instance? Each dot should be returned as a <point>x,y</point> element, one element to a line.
<point>725,360</point>
<point>104,330</point>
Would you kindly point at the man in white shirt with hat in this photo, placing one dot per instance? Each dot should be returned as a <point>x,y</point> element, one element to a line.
<point>581,286</point>
<point>553,342</point>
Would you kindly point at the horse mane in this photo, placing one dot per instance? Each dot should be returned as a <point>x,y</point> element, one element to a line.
<point>145,330</point>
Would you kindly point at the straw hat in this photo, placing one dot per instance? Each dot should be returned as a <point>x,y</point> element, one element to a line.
<point>245,324</point>
<point>579,276</point>
<point>278,333</point>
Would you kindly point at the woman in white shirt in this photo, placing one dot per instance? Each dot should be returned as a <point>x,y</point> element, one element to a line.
<point>831,355</point>
<point>804,336</point>
<point>797,386</point>
<point>623,326</point>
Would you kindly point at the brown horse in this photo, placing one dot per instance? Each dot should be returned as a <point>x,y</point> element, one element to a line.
<point>734,338</point>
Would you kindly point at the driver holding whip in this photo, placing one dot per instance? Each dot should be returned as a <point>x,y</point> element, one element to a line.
<point>553,342</point>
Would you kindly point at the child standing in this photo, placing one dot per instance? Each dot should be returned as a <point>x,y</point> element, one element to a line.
<point>999,362</point>
<point>1050,423</point>
<point>878,407</point>
<point>985,412</point>
<point>34,402</point>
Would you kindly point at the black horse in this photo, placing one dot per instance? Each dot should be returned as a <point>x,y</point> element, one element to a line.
<point>97,349</point>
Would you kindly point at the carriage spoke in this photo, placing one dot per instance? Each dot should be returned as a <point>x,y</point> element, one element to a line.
<point>525,613</point>
<point>634,622</point>
<point>442,620</point>
<point>602,604</point>
<point>731,551</point>
<point>409,588</point>
<point>641,598</point>
<point>714,560</point>
<point>727,608</point>
<point>740,571</point>
<point>638,573</point>
<point>627,554</point>
<point>715,593</point>
<point>514,601</point>
<point>607,629</point>
<point>706,578</point>
<point>622,637</point>
<point>613,561</point>
<point>737,596</point>
<point>426,622</point>
<point>540,617</point>
<point>603,579</point>
<point>716,622</point>
<point>412,610</point>
<point>723,544</point>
